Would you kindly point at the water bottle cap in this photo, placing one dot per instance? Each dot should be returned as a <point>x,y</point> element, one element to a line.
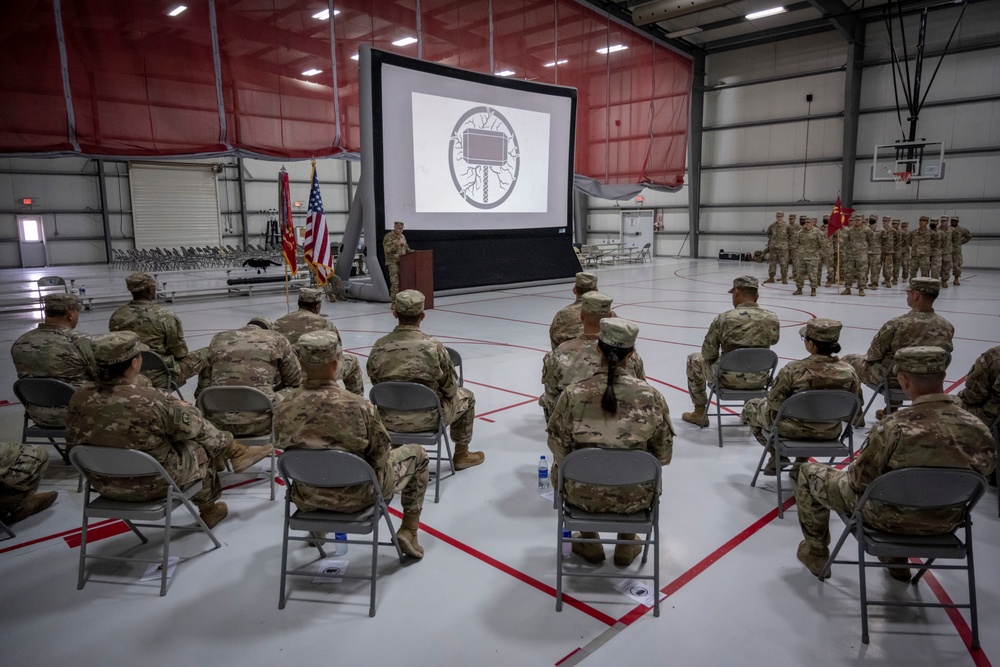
<point>543,457</point>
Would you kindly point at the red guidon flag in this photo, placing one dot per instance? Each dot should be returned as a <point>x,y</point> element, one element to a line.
<point>317,250</point>
<point>288,246</point>
<point>838,218</point>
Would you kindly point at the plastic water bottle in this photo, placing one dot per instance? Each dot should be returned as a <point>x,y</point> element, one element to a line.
<point>340,545</point>
<point>543,474</point>
<point>83,291</point>
<point>567,547</point>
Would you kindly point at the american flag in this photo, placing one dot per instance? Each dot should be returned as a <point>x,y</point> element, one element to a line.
<point>317,246</point>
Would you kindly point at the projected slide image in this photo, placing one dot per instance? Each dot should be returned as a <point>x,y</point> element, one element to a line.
<point>478,157</point>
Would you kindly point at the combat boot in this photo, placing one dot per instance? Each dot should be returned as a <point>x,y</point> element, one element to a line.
<point>846,292</point>
<point>33,504</point>
<point>768,470</point>
<point>784,281</point>
<point>897,573</point>
<point>213,513</point>
<point>465,459</point>
<point>626,553</point>
<point>406,536</point>
<point>812,560</point>
<point>830,283</point>
<point>888,284</point>
<point>769,281</point>
<point>812,292</point>
<point>861,292</point>
<point>956,283</point>
<point>944,284</point>
<point>242,457</point>
<point>589,551</point>
<point>797,292</point>
<point>699,417</point>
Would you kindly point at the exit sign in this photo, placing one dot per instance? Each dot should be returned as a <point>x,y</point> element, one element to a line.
<point>27,201</point>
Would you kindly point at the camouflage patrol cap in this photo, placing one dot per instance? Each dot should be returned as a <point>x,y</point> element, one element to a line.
<point>261,322</point>
<point>114,348</point>
<point>779,214</point>
<point>906,223</point>
<point>617,332</point>
<point>822,329</point>
<point>895,221</point>
<point>310,295</point>
<point>409,303</point>
<point>61,302</point>
<point>748,282</point>
<point>137,282</point>
<point>792,216</point>
<point>925,285</point>
<point>924,217</point>
<point>596,303</point>
<point>586,281</point>
<point>885,217</point>
<point>319,348</point>
<point>922,360</point>
<point>954,218</point>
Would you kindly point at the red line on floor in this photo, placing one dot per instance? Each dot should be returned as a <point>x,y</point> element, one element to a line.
<point>508,407</point>
<point>681,389</point>
<point>509,391</point>
<point>950,388</point>
<point>54,536</point>
<point>964,631</point>
<point>567,657</point>
<point>99,533</point>
<point>507,569</point>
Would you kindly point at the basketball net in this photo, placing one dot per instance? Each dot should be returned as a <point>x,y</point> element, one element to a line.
<point>902,179</point>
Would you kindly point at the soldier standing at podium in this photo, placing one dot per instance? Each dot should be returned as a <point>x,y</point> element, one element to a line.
<point>394,246</point>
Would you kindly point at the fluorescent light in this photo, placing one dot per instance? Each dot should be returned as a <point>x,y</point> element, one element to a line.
<point>312,72</point>
<point>325,14</point>
<point>506,72</point>
<point>557,62</point>
<point>766,12</point>
<point>683,33</point>
<point>176,11</point>
<point>355,57</point>
<point>406,41</point>
<point>612,49</point>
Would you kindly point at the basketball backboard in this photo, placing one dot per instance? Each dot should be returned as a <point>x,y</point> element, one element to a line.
<point>921,160</point>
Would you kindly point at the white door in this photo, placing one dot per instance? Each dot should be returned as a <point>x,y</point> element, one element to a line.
<point>637,228</point>
<point>32,239</point>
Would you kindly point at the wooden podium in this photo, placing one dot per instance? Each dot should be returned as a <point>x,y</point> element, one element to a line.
<point>416,271</point>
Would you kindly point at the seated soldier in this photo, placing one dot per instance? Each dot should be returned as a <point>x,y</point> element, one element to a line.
<point>611,410</point>
<point>566,324</point>
<point>21,470</point>
<point>306,319</point>
<point>321,415</point>
<point>409,355</point>
<point>254,356</point>
<point>981,395</point>
<point>55,350</point>
<point>115,412</point>
<point>578,358</point>
<point>159,329</point>
<point>933,431</point>
<point>820,370</point>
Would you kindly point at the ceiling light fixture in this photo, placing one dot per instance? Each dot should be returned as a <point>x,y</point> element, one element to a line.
<point>557,62</point>
<point>506,72</point>
<point>355,57</point>
<point>312,72</point>
<point>766,12</point>
<point>176,11</point>
<point>406,41</point>
<point>325,14</point>
<point>612,49</point>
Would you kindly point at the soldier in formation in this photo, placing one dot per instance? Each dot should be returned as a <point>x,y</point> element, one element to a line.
<point>944,240</point>
<point>959,237</point>
<point>306,319</point>
<point>920,249</point>
<point>611,410</point>
<point>321,415</point>
<point>889,241</point>
<point>901,242</point>
<point>807,254</point>
<point>409,355</point>
<point>854,251</point>
<point>933,431</point>
<point>745,325</point>
<point>793,243</point>
<point>777,248</point>
<point>874,253</point>
<point>394,246</point>
<point>826,255</point>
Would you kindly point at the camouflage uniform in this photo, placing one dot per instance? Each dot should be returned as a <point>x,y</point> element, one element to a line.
<point>906,255</point>
<point>807,254</point>
<point>777,247</point>
<point>944,240</point>
<point>334,288</point>
<point>855,253</point>
<point>794,229</point>
<point>123,415</point>
<point>826,257</point>
<point>251,357</point>
<point>959,237</point>
<point>874,255</point>
<point>21,470</point>
<point>321,415</point>
<point>889,236</point>
<point>900,241</point>
<point>301,321</point>
<point>566,325</point>
<point>934,431</point>
<point>909,330</point>
<point>935,252</point>
<point>394,247</point>
<point>161,330</point>
<point>747,325</point>
<point>53,351</point>
<point>920,251</point>
<point>642,422</point>
<point>573,361</point>
<point>981,395</point>
<point>409,355</point>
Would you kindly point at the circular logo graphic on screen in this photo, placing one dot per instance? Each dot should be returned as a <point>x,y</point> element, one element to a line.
<point>484,157</point>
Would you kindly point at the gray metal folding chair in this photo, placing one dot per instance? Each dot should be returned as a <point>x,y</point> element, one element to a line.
<point>415,397</point>
<point>888,388</point>
<point>456,361</point>
<point>331,469</point>
<point>918,489</point>
<point>215,400</point>
<point>4,528</point>
<point>609,467</point>
<point>115,462</point>
<point>995,430</point>
<point>153,362</point>
<point>49,284</point>
<point>745,360</point>
<point>814,406</point>
<point>43,393</point>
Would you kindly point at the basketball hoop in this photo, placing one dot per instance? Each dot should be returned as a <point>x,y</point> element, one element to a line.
<point>902,179</point>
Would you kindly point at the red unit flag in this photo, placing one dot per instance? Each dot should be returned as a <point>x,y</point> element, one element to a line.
<point>288,246</point>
